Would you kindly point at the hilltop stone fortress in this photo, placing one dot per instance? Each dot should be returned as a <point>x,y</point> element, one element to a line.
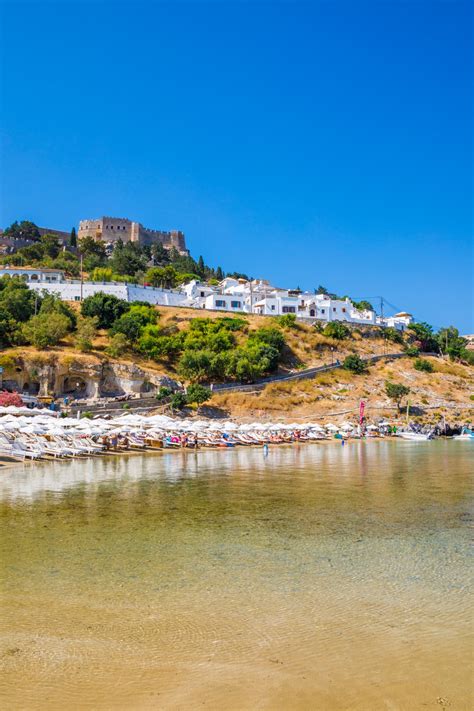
<point>112,229</point>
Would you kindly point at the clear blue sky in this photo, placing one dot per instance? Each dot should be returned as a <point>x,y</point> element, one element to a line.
<point>308,143</point>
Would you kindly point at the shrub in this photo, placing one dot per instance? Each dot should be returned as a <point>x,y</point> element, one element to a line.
<point>117,346</point>
<point>424,365</point>
<point>271,336</point>
<point>178,401</point>
<point>8,399</point>
<point>198,394</point>
<point>45,330</point>
<point>85,333</point>
<point>132,323</point>
<point>355,364</point>
<point>52,304</point>
<point>392,335</point>
<point>163,393</point>
<point>412,351</point>
<point>337,330</point>
<point>287,320</point>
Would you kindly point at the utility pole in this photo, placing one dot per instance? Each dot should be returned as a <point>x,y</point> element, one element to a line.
<point>82,276</point>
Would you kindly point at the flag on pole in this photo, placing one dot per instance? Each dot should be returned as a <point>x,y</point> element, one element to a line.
<point>361,411</point>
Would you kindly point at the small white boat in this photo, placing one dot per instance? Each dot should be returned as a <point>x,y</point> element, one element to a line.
<point>466,435</point>
<point>415,436</point>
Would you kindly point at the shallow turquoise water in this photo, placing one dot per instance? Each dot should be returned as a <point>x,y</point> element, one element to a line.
<point>320,576</point>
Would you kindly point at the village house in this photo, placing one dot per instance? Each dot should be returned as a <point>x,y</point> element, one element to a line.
<point>230,295</point>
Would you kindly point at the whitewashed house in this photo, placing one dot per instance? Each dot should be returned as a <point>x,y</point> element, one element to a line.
<point>34,275</point>
<point>400,321</point>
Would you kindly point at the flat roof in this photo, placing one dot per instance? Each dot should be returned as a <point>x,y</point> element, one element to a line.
<point>31,269</point>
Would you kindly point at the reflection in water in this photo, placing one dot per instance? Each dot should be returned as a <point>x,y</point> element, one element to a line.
<point>319,576</point>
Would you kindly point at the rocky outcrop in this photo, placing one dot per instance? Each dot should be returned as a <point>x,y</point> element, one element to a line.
<point>84,376</point>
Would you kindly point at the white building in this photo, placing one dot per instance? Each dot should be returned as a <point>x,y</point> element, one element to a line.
<point>400,321</point>
<point>74,291</point>
<point>230,295</point>
<point>34,275</point>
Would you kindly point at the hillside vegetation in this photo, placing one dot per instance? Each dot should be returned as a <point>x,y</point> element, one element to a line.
<point>209,347</point>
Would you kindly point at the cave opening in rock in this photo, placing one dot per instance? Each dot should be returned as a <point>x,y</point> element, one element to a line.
<point>31,388</point>
<point>74,385</point>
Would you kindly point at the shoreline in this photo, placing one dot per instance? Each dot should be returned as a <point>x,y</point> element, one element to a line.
<point>113,455</point>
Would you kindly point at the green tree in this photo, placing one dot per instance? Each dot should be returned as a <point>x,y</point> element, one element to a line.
<point>396,392</point>
<point>355,364</point>
<point>50,245</point>
<point>363,305</point>
<point>45,329</point>
<point>195,365</point>
<point>198,394</point>
<point>451,343</point>
<point>17,299</point>
<point>159,254</point>
<point>163,277</point>
<point>8,328</point>
<point>127,259</point>
<point>423,337</point>
<point>73,238</point>
<point>219,274</point>
<point>201,267</point>
<point>102,274</point>
<point>132,322</point>
<point>106,307</point>
<point>88,246</point>
<point>52,303</point>
<point>23,230</point>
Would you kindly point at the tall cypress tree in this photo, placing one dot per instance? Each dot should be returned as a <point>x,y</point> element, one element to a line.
<point>73,238</point>
<point>201,267</point>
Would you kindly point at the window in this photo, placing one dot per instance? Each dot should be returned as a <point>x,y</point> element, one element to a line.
<point>323,311</point>
<point>220,304</point>
<point>343,310</point>
<point>273,307</point>
<point>333,308</point>
<point>77,298</point>
<point>203,294</point>
<point>312,313</point>
<point>235,304</point>
<point>289,310</point>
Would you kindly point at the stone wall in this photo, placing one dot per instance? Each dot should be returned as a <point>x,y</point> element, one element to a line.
<point>111,229</point>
